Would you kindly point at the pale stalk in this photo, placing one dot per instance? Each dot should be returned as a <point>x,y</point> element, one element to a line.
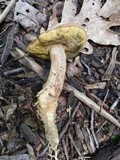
<point>48,96</point>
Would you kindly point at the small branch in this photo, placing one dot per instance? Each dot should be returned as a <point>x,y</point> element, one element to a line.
<point>71,138</point>
<point>65,150</point>
<point>112,107</point>
<point>7,10</point>
<point>104,98</point>
<point>91,104</point>
<point>64,129</point>
<point>99,101</point>
<point>88,68</point>
<point>91,141</point>
<point>92,128</point>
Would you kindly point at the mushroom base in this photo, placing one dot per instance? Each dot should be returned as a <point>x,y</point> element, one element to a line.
<point>48,96</point>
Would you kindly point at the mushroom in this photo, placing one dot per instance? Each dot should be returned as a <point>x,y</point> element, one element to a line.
<point>58,44</point>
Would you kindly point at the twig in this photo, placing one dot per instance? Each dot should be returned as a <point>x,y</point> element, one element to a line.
<point>99,101</point>
<point>91,143</point>
<point>99,129</point>
<point>100,85</point>
<point>65,149</point>
<point>92,128</point>
<point>7,10</point>
<point>88,68</point>
<point>111,66</point>
<point>20,44</point>
<point>86,140</point>
<point>71,138</point>
<point>112,107</point>
<point>117,62</point>
<point>64,129</point>
<point>46,148</point>
<point>80,136</point>
<point>5,29</point>
<point>104,99</point>
<point>91,104</point>
<point>77,62</point>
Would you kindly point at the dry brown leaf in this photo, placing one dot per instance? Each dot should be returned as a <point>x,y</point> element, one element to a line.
<point>111,10</point>
<point>95,26</point>
<point>28,16</point>
<point>91,18</point>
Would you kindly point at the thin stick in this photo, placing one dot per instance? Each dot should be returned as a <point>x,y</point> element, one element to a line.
<point>91,141</point>
<point>112,107</point>
<point>65,149</point>
<point>64,129</point>
<point>104,98</point>
<point>91,104</point>
<point>92,128</point>
<point>71,138</point>
<point>88,68</point>
<point>7,10</point>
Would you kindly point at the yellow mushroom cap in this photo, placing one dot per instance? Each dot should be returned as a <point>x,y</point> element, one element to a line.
<point>72,37</point>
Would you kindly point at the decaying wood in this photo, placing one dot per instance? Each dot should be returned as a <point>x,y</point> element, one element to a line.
<point>109,152</point>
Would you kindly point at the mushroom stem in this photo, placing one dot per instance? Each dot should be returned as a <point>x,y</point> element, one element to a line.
<point>48,96</point>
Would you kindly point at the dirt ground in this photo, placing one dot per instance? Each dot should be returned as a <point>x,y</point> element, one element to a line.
<point>82,131</point>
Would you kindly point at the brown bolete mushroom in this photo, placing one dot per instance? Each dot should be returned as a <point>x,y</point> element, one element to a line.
<point>58,44</point>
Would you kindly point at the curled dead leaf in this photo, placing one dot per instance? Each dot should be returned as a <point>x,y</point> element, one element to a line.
<point>91,18</point>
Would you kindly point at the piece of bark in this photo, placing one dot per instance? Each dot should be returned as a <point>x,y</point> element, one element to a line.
<point>110,152</point>
<point>9,43</point>
<point>29,135</point>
